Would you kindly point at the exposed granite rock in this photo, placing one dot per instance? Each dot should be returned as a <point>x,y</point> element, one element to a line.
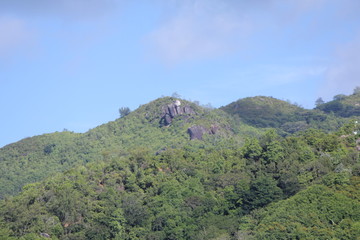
<point>214,129</point>
<point>45,235</point>
<point>172,110</point>
<point>197,131</point>
<point>160,151</point>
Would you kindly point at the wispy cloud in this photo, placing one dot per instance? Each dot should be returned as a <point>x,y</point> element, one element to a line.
<point>283,75</point>
<point>72,9</point>
<point>200,29</point>
<point>15,35</point>
<point>206,28</point>
<point>21,23</point>
<point>344,74</point>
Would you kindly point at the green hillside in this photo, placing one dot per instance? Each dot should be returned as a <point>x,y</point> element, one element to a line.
<point>199,191</point>
<point>265,112</point>
<point>318,212</point>
<point>174,170</point>
<point>342,105</point>
<point>35,158</point>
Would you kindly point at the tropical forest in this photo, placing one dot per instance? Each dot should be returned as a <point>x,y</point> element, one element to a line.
<point>173,169</point>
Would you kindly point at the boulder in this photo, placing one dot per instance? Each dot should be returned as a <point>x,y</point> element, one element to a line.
<point>45,235</point>
<point>197,131</point>
<point>172,110</point>
<point>214,129</point>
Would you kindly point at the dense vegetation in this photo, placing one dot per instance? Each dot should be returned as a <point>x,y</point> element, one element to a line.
<point>266,112</point>
<point>135,178</point>
<point>35,158</point>
<point>343,106</point>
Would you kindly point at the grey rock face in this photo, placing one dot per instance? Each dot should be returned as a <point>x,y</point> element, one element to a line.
<point>172,110</point>
<point>169,112</point>
<point>197,131</point>
<point>45,235</point>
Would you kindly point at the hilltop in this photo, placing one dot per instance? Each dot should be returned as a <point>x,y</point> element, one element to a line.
<point>172,169</point>
<point>342,105</point>
<point>265,112</point>
<point>158,125</point>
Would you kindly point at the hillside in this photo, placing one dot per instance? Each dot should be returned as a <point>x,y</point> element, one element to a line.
<point>265,112</point>
<point>200,191</point>
<point>319,212</point>
<point>174,170</point>
<point>342,105</point>
<point>155,126</point>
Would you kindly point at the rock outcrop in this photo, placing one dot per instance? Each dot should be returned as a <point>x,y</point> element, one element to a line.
<point>172,110</point>
<point>197,131</point>
<point>185,112</point>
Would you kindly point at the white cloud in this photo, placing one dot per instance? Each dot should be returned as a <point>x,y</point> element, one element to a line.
<point>200,29</point>
<point>282,75</point>
<point>344,74</point>
<point>72,9</point>
<point>21,23</point>
<point>15,35</point>
<point>208,28</point>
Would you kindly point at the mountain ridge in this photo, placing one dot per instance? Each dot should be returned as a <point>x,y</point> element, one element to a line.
<point>148,126</point>
<point>142,127</point>
<point>143,176</point>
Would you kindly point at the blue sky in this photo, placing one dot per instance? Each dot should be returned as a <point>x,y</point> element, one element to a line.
<point>71,64</point>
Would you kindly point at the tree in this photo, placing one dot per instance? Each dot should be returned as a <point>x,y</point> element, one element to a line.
<point>339,97</point>
<point>263,191</point>
<point>357,90</point>
<point>319,102</point>
<point>175,95</point>
<point>124,111</point>
<point>252,149</point>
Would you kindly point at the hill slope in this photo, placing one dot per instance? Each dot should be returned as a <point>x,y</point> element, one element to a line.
<point>158,125</point>
<point>267,112</point>
<point>199,191</point>
<point>318,212</point>
<point>343,106</point>
<point>264,111</point>
<point>174,170</point>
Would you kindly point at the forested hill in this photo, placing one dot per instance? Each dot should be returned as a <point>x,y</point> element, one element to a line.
<point>304,187</point>
<point>174,170</point>
<point>162,124</point>
<point>342,105</point>
<point>289,118</point>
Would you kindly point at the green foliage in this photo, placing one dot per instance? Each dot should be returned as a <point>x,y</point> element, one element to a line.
<point>315,213</point>
<point>289,118</point>
<point>263,111</point>
<point>199,191</point>
<point>124,111</point>
<point>343,106</point>
<point>136,179</point>
<point>319,101</point>
<point>263,191</point>
<point>39,157</point>
<point>357,90</point>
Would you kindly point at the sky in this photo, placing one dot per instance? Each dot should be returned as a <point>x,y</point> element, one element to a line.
<point>71,64</point>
